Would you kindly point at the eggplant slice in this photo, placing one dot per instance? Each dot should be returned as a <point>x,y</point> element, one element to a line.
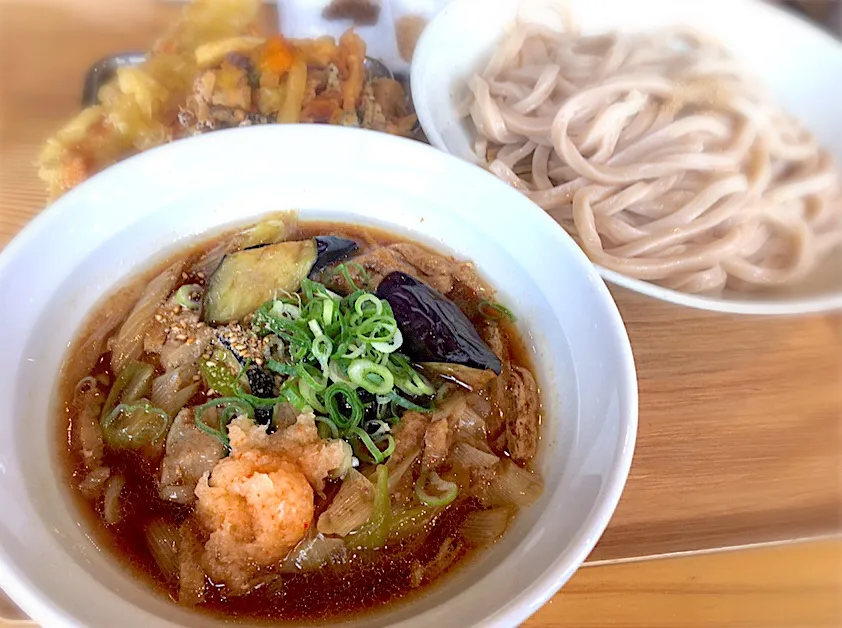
<point>332,249</point>
<point>247,279</point>
<point>434,328</point>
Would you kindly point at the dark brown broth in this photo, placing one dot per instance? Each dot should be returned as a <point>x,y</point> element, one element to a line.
<point>370,580</point>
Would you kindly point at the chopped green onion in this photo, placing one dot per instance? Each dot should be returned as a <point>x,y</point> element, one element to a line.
<point>447,490</point>
<point>286,310</point>
<point>495,311</point>
<point>341,420</point>
<point>343,269</point>
<point>406,403</point>
<point>184,296</point>
<point>312,376</point>
<point>327,311</point>
<point>389,347</point>
<point>281,368</point>
<point>291,392</point>
<point>379,329</point>
<point>356,352</point>
<point>314,327</point>
<point>366,298</point>
<point>414,384</point>
<point>336,374</point>
<point>233,406</point>
<point>377,455</point>
<point>321,349</point>
<point>374,378</point>
<point>382,429</point>
<point>310,396</point>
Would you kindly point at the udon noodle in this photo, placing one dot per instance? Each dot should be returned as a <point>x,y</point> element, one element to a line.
<point>663,160</point>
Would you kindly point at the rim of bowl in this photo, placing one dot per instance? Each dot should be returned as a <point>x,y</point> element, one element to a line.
<point>27,594</point>
<point>730,305</point>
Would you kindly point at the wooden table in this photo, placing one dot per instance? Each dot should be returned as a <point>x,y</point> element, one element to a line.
<point>739,438</point>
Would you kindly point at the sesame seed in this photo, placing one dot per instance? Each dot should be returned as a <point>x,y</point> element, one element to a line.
<point>159,318</point>
<point>167,330</point>
<point>210,392</point>
<point>210,363</point>
<point>190,341</point>
<point>240,347</point>
<point>195,378</point>
<point>200,275</point>
<point>181,337</point>
<point>184,275</point>
<point>177,309</point>
<point>258,361</point>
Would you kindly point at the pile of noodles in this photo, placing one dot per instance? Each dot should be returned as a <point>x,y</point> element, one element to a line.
<point>658,155</point>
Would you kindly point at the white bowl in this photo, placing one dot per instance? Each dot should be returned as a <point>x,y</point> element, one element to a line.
<point>94,238</point>
<point>800,64</point>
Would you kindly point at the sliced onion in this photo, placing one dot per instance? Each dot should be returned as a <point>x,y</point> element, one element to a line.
<point>162,541</point>
<point>128,342</point>
<point>172,390</point>
<point>471,457</point>
<point>312,554</point>
<point>351,508</point>
<point>191,576</point>
<point>93,483</point>
<point>111,510</point>
<point>85,427</point>
<point>397,472</point>
<point>447,554</point>
<point>472,426</point>
<point>411,522</point>
<point>483,527</point>
<point>512,486</point>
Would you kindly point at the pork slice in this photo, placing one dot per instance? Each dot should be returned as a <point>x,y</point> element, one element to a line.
<point>175,353</point>
<point>435,444</point>
<point>189,454</point>
<point>408,435</point>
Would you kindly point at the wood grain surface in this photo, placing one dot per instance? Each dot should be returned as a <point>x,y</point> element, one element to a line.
<point>739,438</point>
<point>796,586</point>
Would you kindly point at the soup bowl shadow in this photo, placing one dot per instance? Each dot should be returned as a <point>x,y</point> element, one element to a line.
<point>139,211</point>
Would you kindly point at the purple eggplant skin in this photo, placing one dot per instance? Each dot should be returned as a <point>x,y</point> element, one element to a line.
<point>331,249</point>
<point>434,328</point>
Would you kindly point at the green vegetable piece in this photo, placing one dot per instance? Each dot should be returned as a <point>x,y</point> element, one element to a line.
<point>133,383</point>
<point>375,533</point>
<point>134,426</point>
<point>219,377</point>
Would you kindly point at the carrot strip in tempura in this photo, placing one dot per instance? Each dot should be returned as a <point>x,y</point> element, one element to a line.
<point>296,84</point>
